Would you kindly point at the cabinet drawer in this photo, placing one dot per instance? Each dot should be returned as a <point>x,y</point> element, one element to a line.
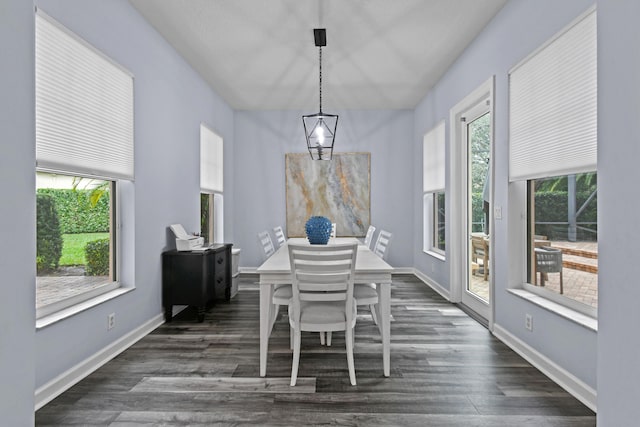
<point>220,260</point>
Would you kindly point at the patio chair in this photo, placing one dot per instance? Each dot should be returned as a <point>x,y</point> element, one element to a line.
<point>480,251</point>
<point>548,260</point>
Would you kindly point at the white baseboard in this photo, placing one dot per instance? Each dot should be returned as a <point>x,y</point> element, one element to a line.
<point>573,385</point>
<point>248,270</point>
<point>66,380</point>
<point>432,284</point>
<point>403,270</point>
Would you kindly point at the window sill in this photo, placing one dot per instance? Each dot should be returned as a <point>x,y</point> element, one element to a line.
<point>435,254</point>
<point>52,318</point>
<point>559,309</point>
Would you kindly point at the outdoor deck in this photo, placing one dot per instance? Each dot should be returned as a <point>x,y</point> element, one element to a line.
<point>580,273</point>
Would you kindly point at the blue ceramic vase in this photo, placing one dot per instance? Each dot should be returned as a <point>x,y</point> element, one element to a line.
<point>318,230</point>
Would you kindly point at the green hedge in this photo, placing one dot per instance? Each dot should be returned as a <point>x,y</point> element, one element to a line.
<point>76,215</point>
<point>48,236</point>
<point>553,206</point>
<point>97,256</point>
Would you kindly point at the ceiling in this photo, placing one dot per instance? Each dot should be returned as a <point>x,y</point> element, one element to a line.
<point>260,55</point>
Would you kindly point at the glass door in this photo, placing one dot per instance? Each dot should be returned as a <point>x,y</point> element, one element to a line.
<point>477,129</point>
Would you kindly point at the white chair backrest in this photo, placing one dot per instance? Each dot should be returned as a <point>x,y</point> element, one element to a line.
<point>369,237</point>
<point>265,242</point>
<point>380,248</point>
<point>323,273</point>
<point>280,239</point>
<point>333,230</point>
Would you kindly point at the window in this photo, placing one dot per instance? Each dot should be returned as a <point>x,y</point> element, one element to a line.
<point>438,223</point>
<point>75,240</point>
<point>563,236</point>
<point>433,190</point>
<point>211,185</point>
<point>553,152</point>
<point>84,149</point>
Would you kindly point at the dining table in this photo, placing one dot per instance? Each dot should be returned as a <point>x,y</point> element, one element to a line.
<point>370,268</point>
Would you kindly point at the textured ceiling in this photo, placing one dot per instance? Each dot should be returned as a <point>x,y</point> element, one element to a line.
<point>260,54</point>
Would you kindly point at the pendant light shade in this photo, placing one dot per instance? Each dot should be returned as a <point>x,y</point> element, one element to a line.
<point>320,128</point>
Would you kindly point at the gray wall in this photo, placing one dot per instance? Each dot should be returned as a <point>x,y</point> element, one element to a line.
<point>171,101</point>
<point>263,138</point>
<point>17,213</point>
<point>618,180</point>
<point>519,29</point>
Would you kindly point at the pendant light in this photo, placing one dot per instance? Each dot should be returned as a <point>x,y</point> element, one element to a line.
<point>320,128</point>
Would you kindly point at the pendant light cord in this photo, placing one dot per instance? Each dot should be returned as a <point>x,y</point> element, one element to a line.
<point>320,60</point>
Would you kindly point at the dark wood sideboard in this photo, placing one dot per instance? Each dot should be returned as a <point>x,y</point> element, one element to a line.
<point>196,278</point>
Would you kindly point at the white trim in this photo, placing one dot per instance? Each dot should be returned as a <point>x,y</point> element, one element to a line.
<point>573,385</point>
<point>440,255</point>
<point>72,376</point>
<point>458,241</point>
<point>54,317</point>
<point>444,292</point>
<point>560,309</point>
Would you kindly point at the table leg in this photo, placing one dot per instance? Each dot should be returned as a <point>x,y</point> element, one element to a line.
<point>265,314</point>
<point>384,298</point>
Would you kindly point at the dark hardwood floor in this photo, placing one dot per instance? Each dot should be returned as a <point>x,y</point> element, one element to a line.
<point>446,370</point>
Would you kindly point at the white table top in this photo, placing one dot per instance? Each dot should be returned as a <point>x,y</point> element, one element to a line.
<point>366,260</point>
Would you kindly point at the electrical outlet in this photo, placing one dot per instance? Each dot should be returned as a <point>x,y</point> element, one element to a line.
<point>497,212</point>
<point>111,321</point>
<point>528,322</point>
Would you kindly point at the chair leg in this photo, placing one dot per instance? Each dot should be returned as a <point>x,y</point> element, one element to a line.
<point>328,338</point>
<point>296,356</point>
<point>349,337</point>
<point>321,338</point>
<point>291,338</point>
<point>372,307</point>
<point>561,290</point>
<point>275,308</point>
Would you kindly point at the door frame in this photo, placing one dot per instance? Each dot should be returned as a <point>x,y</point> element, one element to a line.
<point>459,238</point>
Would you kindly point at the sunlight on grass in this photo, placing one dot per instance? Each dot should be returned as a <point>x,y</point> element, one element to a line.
<point>73,247</point>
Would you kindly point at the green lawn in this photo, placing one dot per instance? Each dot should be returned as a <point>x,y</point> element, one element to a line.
<point>73,247</point>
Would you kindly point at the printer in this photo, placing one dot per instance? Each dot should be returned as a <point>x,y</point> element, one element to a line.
<point>187,242</point>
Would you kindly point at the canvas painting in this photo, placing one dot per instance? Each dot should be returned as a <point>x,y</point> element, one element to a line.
<point>338,189</point>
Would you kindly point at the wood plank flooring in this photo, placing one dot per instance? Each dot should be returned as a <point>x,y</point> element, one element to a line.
<point>446,370</point>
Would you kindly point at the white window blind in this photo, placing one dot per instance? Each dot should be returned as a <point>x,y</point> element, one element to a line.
<point>434,159</point>
<point>84,106</point>
<point>553,106</point>
<point>211,160</point>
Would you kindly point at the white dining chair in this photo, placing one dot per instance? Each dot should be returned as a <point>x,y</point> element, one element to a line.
<point>322,298</point>
<point>368,238</point>
<point>281,293</point>
<point>266,243</point>
<point>382,243</point>
<point>366,293</point>
<point>280,239</point>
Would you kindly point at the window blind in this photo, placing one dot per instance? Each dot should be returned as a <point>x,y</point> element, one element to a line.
<point>211,160</point>
<point>553,106</point>
<point>434,159</point>
<point>84,106</point>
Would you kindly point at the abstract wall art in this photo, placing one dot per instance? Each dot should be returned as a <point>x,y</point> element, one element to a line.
<point>338,189</point>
